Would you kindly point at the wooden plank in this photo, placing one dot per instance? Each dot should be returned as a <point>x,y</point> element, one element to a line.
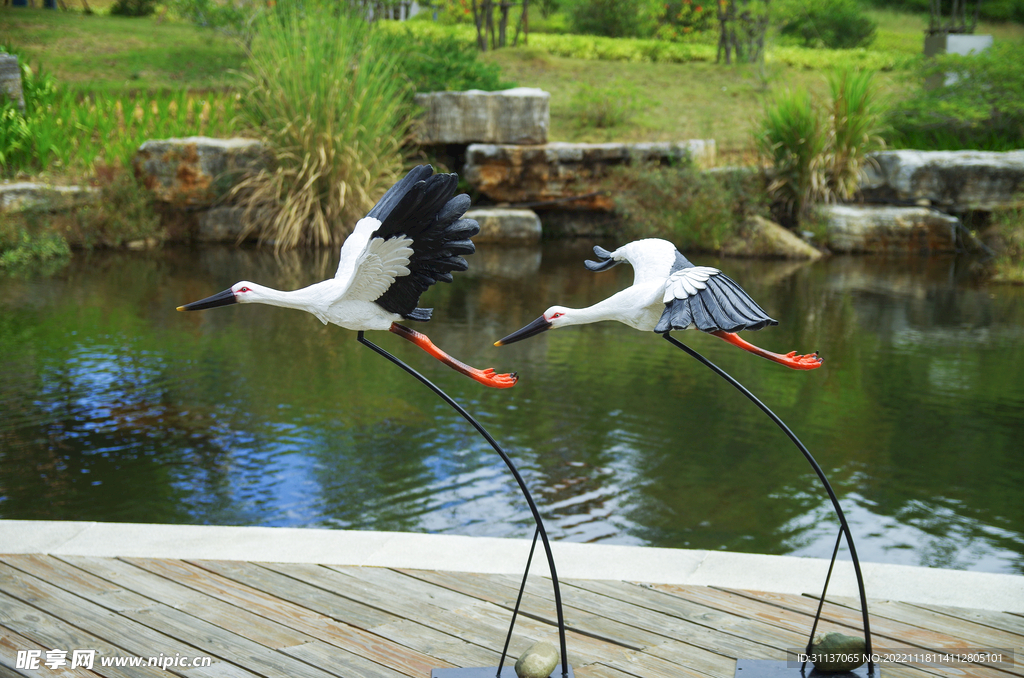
<point>136,639</point>
<point>323,654</point>
<point>226,616</point>
<point>978,635</point>
<point>1003,621</point>
<point>52,633</point>
<point>600,671</point>
<point>633,621</point>
<point>316,625</point>
<point>205,638</point>
<point>764,605</point>
<point>11,643</point>
<point>414,635</point>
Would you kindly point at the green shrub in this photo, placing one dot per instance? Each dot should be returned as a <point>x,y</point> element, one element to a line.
<point>613,18</point>
<point>981,108</point>
<point>854,128</point>
<point>992,10</point>
<point>792,139</point>
<point>816,152</point>
<point>835,24</point>
<point>123,213</point>
<point>443,62</point>
<point>133,7</point>
<point>326,93</point>
<point>606,107</point>
<point>694,209</point>
<point>21,248</point>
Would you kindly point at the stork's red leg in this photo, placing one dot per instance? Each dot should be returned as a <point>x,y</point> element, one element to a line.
<point>486,377</point>
<point>791,359</point>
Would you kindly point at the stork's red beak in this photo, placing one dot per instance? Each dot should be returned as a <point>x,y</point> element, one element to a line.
<point>220,299</point>
<point>536,327</point>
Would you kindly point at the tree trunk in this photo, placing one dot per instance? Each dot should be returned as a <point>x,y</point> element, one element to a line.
<point>481,41</point>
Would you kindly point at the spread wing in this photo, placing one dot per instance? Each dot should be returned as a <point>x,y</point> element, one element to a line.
<point>706,298</point>
<point>382,262</point>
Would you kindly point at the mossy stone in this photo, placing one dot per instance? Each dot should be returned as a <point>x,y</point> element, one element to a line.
<point>837,652</point>
<point>538,661</point>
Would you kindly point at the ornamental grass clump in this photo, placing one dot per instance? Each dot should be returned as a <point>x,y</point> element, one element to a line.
<point>817,152</point>
<point>326,94</point>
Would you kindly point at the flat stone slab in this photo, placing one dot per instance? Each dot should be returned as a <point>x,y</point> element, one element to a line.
<point>958,180</point>
<point>196,171</point>
<point>498,224</point>
<point>872,228</point>
<point>10,80</point>
<point>27,195</point>
<point>511,116</point>
<point>760,237</point>
<point>566,173</point>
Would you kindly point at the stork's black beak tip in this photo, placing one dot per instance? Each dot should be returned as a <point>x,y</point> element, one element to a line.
<point>536,327</point>
<point>220,299</point>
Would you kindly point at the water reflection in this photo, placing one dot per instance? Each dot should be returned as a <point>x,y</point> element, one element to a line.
<point>117,408</point>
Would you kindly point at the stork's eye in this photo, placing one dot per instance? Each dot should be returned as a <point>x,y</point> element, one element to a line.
<point>557,315</point>
<point>244,289</point>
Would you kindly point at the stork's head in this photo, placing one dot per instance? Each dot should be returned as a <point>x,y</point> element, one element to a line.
<point>556,316</point>
<point>240,293</point>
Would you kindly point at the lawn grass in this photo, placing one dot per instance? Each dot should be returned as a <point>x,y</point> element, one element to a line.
<point>695,100</point>
<point>101,53</point>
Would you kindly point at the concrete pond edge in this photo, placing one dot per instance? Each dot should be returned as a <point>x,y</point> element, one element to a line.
<point>489,555</point>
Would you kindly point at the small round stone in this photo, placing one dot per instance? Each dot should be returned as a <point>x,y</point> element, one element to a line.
<point>538,661</point>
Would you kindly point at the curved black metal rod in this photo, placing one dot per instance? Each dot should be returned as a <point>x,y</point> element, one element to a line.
<point>515,472</point>
<point>814,464</point>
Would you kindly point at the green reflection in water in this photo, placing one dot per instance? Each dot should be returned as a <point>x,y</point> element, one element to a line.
<point>115,407</point>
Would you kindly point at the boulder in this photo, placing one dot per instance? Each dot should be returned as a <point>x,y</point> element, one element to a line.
<point>956,180</point>
<point>566,173</point>
<point>10,80</point>
<point>511,116</point>
<point>196,171</point>
<point>26,195</point>
<point>760,237</point>
<point>220,224</point>
<point>872,228</point>
<point>499,224</point>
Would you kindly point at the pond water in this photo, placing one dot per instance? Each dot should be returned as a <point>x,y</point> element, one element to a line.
<point>114,407</point>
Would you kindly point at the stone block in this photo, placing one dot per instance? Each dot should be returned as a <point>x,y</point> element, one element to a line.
<point>511,116</point>
<point>10,79</point>
<point>760,237</point>
<point>876,229</point>
<point>196,171</point>
<point>26,195</point>
<point>566,173</point>
<point>498,224</point>
<point>956,180</point>
<point>220,224</point>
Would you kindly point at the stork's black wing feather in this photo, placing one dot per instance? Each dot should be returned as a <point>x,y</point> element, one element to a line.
<point>721,305</point>
<point>423,208</point>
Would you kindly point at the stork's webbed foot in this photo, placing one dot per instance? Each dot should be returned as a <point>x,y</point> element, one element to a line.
<point>490,378</point>
<point>802,362</point>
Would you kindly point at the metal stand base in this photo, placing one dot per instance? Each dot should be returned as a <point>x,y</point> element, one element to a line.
<point>492,672</point>
<point>768,668</point>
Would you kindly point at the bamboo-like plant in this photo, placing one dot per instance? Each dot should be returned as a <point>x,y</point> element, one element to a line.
<point>326,95</point>
<point>792,139</point>
<point>854,128</point>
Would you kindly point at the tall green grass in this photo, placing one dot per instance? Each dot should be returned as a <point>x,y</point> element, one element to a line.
<point>325,92</point>
<point>792,139</point>
<point>854,128</point>
<point>61,131</point>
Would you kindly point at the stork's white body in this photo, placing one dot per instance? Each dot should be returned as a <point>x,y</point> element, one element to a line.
<point>367,268</point>
<point>641,305</point>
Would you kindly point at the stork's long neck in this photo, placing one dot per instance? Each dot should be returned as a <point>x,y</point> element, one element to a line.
<point>602,310</point>
<point>305,299</point>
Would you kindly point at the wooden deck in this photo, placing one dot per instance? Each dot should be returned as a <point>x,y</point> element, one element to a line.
<point>304,620</point>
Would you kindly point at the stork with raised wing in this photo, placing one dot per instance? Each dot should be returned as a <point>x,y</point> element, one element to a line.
<point>413,237</point>
<point>670,293</point>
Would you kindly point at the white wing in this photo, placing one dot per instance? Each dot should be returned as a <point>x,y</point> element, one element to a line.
<point>353,247</point>
<point>686,282</point>
<point>381,262</point>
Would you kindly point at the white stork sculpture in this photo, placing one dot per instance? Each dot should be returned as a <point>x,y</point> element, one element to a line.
<point>412,238</point>
<point>670,293</point>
